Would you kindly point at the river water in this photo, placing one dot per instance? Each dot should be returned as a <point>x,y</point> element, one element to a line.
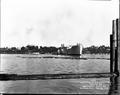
<point>35,64</point>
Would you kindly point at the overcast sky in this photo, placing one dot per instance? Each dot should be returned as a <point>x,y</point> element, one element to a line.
<point>53,22</point>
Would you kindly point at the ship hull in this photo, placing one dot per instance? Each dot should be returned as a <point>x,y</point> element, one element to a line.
<point>73,50</point>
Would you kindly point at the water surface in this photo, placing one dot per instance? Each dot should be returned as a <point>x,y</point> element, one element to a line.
<point>23,64</point>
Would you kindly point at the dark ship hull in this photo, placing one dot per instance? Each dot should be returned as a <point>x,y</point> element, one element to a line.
<point>72,50</point>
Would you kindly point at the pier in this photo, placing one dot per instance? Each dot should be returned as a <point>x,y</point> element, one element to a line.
<point>115,58</point>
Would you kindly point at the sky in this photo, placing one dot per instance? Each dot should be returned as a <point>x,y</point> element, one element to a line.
<point>56,22</point>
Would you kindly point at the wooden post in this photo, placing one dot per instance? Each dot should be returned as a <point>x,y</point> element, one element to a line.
<point>116,47</point>
<point>118,50</point>
<point>111,53</point>
<point>113,44</point>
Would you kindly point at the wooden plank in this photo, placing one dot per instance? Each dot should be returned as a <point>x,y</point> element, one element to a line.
<point>6,77</point>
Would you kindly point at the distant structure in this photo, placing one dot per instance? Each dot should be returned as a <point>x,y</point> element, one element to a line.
<point>70,50</point>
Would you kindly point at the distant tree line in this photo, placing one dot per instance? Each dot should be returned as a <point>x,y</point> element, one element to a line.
<point>96,50</point>
<point>53,50</point>
<point>28,50</point>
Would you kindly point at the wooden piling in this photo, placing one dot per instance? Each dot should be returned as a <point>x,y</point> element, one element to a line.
<point>115,58</point>
<point>111,53</point>
<point>118,57</point>
<point>116,47</point>
<point>113,45</point>
<point>118,50</point>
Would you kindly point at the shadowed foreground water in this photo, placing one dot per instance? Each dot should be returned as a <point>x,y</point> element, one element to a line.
<point>18,65</point>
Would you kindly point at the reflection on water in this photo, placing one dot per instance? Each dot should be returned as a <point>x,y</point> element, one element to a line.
<point>114,87</point>
<point>17,64</point>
